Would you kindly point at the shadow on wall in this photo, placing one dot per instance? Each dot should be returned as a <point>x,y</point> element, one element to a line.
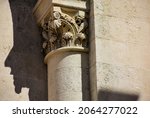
<point>105,95</point>
<point>25,59</point>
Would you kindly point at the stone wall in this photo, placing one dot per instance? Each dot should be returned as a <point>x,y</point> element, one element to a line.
<point>119,51</point>
<point>22,71</point>
<point>120,66</point>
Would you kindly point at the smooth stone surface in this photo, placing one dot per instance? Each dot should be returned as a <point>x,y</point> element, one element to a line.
<point>68,76</point>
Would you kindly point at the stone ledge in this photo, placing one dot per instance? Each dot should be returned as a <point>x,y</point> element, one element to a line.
<point>80,5</point>
<point>42,9</point>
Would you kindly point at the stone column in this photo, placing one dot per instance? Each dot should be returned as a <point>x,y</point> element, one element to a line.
<point>67,70</point>
<point>65,44</point>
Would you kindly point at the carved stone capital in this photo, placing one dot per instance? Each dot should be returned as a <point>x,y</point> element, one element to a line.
<point>64,30</point>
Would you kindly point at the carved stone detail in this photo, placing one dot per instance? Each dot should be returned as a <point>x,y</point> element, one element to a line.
<point>62,30</point>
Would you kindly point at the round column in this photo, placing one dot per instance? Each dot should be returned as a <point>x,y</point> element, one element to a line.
<point>67,73</point>
<point>65,44</point>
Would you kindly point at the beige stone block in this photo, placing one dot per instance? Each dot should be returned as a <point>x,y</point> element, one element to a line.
<point>7,90</point>
<point>122,30</point>
<point>123,79</point>
<point>111,28</point>
<point>138,56</point>
<point>118,53</point>
<point>118,78</point>
<point>117,29</point>
<point>111,52</point>
<point>138,32</point>
<point>126,9</point>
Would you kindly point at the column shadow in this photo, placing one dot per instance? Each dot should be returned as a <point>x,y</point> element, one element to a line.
<point>25,58</point>
<point>105,95</point>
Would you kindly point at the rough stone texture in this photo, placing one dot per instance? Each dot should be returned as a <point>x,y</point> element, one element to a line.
<point>119,55</point>
<point>121,40</point>
<point>22,71</point>
<point>68,76</point>
<point>64,45</point>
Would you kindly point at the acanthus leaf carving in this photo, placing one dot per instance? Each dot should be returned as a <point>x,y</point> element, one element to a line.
<point>62,30</point>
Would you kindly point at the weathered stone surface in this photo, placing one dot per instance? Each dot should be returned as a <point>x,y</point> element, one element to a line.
<point>122,31</point>
<point>118,60</point>
<point>68,76</point>
<point>23,73</point>
<point>123,79</point>
<point>65,43</point>
<point>62,25</point>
